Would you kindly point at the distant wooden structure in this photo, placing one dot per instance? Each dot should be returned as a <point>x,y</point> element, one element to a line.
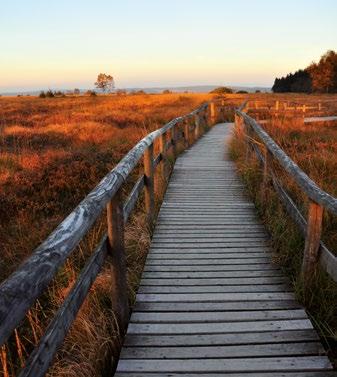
<point>208,287</point>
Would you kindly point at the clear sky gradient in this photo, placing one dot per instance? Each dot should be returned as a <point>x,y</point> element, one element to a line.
<point>66,43</point>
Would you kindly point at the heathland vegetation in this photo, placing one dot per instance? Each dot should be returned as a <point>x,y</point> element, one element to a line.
<point>53,152</point>
<point>318,77</point>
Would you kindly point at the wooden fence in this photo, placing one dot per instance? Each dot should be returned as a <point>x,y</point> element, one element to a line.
<point>284,106</point>
<point>267,150</point>
<point>19,292</point>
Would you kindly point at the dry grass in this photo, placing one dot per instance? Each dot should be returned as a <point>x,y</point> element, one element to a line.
<point>54,151</point>
<point>313,148</point>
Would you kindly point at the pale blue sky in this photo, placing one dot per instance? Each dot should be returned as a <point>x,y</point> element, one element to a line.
<point>66,43</point>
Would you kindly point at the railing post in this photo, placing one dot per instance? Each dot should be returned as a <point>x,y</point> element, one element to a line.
<point>312,241</point>
<point>203,121</point>
<point>239,125</point>
<point>267,160</point>
<point>149,184</point>
<point>197,121</point>
<point>319,106</point>
<point>115,223</point>
<point>187,133</point>
<point>266,156</point>
<point>174,140</point>
<point>212,109</point>
<point>163,164</point>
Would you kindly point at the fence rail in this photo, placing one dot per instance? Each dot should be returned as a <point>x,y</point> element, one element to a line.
<point>284,106</point>
<point>19,292</point>
<point>314,251</point>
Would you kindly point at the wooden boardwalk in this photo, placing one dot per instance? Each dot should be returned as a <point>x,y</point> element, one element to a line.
<point>210,301</point>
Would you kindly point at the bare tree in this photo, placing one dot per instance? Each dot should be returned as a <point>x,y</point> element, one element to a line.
<point>105,82</point>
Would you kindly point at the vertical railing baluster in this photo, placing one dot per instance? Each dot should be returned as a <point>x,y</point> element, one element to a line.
<point>212,110</point>
<point>115,224</point>
<point>163,164</point>
<point>187,133</point>
<point>174,141</point>
<point>197,122</point>
<point>312,241</point>
<point>149,184</point>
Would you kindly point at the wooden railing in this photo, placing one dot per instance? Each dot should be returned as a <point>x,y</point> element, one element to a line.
<point>267,150</point>
<point>19,292</point>
<point>283,106</point>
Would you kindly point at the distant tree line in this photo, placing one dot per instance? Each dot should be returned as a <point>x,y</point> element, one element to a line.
<point>318,77</point>
<point>225,90</point>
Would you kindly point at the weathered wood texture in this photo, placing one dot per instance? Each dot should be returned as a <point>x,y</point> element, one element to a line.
<point>311,189</point>
<point>315,250</point>
<point>115,221</point>
<point>210,301</point>
<point>39,361</point>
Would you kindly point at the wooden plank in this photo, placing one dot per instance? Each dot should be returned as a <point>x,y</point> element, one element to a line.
<point>209,244</point>
<point>205,297</point>
<point>212,268</point>
<point>215,289</point>
<point>206,251</point>
<point>219,327</point>
<point>268,337</point>
<point>216,306</point>
<point>219,316</point>
<point>205,239</point>
<point>310,363</point>
<point>259,374</point>
<point>216,281</point>
<point>211,261</point>
<point>211,274</point>
<point>224,352</point>
<point>197,256</point>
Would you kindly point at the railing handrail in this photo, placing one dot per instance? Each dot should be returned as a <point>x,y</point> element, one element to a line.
<point>311,228</point>
<point>313,191</point>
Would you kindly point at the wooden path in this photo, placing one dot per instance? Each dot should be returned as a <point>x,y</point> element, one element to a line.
<point>210,301</point>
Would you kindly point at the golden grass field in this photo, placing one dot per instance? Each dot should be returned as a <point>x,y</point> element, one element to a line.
<point>54,151</point>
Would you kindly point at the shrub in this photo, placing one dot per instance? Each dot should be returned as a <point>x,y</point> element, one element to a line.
<point>242,92</point>
<point>42,94</point>
<point>121,92</point>
<point>91,93</point>
<point>221,90</point>
<point>50,94</point>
